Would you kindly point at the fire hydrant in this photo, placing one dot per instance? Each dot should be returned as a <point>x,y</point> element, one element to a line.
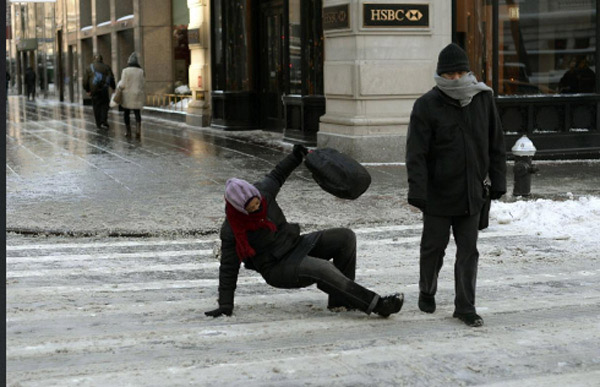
<point>524,150</point>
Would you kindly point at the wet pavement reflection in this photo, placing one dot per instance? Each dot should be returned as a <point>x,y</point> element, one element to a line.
<point>65,175</point>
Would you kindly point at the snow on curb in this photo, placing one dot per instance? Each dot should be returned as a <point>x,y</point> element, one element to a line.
<point>576,219</point>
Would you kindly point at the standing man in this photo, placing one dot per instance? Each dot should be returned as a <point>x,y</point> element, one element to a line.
<point>454,143</point>
<point>97,79</point>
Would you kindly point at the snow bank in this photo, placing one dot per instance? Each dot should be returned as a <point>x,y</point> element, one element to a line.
<point>183,89</point>
<point>573,219</point>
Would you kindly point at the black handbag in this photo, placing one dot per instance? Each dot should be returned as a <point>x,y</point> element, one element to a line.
<point>484,215</point>
<point>338,173</point>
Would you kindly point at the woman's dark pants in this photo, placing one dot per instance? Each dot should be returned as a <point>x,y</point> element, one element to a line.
<point>136,113</point>
<point>334,278</point>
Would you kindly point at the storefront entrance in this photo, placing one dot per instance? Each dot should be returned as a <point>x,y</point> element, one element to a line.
<point>267,66</point>
<point>272,39</point>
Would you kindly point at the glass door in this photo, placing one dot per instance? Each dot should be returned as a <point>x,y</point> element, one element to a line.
<point>272,64</point>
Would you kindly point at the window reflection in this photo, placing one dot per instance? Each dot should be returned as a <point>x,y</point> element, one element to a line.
<point>546,47</point>
<point>295,33</point>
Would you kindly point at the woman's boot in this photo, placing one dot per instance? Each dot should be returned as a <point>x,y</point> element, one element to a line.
<point>128,130</point>
<point>138,129</point>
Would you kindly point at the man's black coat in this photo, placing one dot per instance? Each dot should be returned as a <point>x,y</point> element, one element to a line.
<point>450,150</point>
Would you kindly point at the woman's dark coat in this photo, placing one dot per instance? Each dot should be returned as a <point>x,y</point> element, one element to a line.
<point>270,246</point>
<point>451,149</point>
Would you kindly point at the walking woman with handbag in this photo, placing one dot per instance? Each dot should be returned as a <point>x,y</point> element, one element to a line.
<point>131,87</point>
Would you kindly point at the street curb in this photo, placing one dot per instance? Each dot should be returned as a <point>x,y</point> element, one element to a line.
<point>110,233</point>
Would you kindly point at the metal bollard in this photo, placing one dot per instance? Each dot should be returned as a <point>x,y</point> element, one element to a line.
<point>524,150</point>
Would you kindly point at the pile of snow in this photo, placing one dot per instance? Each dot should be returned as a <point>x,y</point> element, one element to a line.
<point>183,89</point>
<point>577,220</point>
<point>181,105</point>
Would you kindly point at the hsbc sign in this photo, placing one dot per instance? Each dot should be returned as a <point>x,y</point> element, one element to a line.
<point>395,15</point>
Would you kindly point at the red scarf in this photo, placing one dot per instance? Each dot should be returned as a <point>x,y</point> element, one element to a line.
<point>241,223</point>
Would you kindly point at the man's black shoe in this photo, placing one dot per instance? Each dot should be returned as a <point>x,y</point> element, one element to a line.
<point>426,303</point>
<point>389,305</point>
<point>471,319</point>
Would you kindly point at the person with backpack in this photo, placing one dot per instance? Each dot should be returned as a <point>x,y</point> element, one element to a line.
<point>131,87</point>
<point>257,234</point>
<point>97,79</point>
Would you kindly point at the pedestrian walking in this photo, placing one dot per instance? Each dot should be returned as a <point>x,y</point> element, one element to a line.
<point>7,82</point>
<point>454,143</point>
<point>257,234</point>
<point>30,83</point>
<point>97,80</point>
<point>131,87</point>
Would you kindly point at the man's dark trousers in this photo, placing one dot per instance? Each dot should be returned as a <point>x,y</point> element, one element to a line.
<point>100,101</point>
<point>434,240</point>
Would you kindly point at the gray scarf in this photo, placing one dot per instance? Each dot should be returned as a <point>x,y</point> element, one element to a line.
<point>462,89</point>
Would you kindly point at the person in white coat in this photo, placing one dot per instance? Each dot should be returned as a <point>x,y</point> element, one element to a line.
<point>133,96</point>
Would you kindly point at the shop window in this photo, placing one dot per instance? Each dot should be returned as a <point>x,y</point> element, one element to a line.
<point>530,61</point>
<point>123,9</point>
<point>313,49</point>
<point>295,48</point>
<point>85,13</point>
<point>71,15</point>
<point>102,12</point>
<point>305,47</point>
<point>232,37</point>
<point>239,43</point>
<point>218,75</point>
<point>545,47</point>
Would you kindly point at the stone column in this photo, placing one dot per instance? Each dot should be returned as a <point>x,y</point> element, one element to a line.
<point>156,35</point>
<point>199,71</point>
<point>374,70</point>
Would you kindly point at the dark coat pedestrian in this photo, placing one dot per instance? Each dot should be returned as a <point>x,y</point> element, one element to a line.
<point>257,234</point>
<point>455,142</point>
<point>30,83</point>
<point>568,82</point>
<point>97,80</point>
<point>7,82</point>
<point>586,77</point>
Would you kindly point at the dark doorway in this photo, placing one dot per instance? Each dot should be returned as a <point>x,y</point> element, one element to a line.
<point>272,39</point>
<point>72,74</point>
<point>60,66</point>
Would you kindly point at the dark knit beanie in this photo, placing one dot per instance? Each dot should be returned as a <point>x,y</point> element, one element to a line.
<point>452,58</point>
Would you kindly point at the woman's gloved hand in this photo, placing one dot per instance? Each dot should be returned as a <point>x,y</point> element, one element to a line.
<point>300,151</point>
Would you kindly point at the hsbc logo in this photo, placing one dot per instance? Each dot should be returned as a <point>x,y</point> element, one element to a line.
<point>395,15</point>
<point>414,15</point>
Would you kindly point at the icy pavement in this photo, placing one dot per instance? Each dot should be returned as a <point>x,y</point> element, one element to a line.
<point>64,176</point>
<point>119,311</point>
<point>98,311</point>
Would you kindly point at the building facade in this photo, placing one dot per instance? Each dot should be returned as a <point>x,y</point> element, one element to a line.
<point>345,73</point>
<point>339,73</point>
<point>64,35</point>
